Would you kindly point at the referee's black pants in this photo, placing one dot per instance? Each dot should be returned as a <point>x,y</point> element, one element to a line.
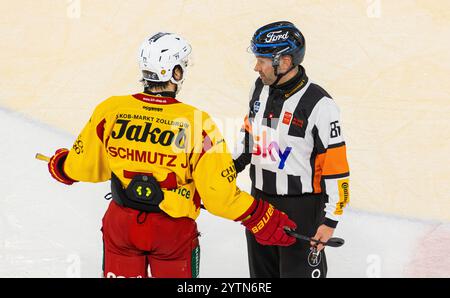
<point>307,211</point>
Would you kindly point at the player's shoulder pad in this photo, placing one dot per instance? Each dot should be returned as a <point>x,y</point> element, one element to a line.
<point>187,107</point>
<point>108,104</point>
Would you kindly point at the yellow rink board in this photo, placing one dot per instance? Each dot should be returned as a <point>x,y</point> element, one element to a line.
<point>387,63</point>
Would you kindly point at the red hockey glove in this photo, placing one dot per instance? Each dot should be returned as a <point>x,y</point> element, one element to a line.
<point>267,224</point>
<point>55,167</point>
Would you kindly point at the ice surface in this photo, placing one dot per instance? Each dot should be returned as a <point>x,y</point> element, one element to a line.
<point>48,229</point>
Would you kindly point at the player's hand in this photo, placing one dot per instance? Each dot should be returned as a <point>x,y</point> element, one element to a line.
<point>268,223</point>
<point>55,167</point>
<point>323,234</point>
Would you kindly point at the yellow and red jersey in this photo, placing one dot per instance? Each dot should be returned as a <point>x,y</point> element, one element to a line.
<point>175,142</point>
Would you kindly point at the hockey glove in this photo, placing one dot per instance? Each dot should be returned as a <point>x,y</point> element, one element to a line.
<point>55,167</point>
<point>267,224</point>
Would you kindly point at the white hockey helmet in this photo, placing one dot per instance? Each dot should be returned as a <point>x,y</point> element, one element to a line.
<point>160,53</point>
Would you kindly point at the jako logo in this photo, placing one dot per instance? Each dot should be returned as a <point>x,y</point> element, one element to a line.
<point>264,149</point>
<point>140,133</point>
<point>275,36</point>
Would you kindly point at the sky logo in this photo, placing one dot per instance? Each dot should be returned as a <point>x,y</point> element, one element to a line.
<point>265,150</point>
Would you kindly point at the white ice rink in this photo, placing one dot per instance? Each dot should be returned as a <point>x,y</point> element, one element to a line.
<point>48,229</point>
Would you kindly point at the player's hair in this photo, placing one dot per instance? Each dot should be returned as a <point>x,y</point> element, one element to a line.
<point>148,85</point>
<point>151,86</point>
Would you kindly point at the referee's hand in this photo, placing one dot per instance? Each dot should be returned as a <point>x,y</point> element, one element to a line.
<point>324,233</point>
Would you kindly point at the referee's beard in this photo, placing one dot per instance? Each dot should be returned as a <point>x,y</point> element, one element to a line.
<point>267,80</point>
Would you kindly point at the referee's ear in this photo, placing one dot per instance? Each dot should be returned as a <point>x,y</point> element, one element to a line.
<point>286,63</point>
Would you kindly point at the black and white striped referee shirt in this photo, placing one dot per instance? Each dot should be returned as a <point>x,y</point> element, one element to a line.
<point>293,139</point>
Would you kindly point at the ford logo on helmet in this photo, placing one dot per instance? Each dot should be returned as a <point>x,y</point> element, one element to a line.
<point>275,36</point>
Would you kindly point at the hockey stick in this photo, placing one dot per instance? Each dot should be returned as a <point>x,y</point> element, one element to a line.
<point>332,242</point>
<point>42,157</point>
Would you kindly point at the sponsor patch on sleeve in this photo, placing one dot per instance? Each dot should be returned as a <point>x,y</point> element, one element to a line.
<point>344,195</point>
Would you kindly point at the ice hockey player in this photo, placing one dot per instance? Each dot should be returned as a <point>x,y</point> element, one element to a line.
<point>164,159</point>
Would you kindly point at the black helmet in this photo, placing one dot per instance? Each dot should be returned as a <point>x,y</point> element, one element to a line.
<point>277,39</point>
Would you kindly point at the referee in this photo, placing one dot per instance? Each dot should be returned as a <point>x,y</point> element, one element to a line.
<point>292,139</point>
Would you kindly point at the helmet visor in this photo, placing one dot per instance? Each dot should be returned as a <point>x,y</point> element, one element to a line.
<point>267,49</point>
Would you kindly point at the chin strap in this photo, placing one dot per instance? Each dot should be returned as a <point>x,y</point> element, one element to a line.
<point>275,64</point>
<point>280,75</point>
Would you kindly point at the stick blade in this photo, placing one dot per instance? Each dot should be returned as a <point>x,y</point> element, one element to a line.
<point>332,242</point>
<point>335,242</point>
